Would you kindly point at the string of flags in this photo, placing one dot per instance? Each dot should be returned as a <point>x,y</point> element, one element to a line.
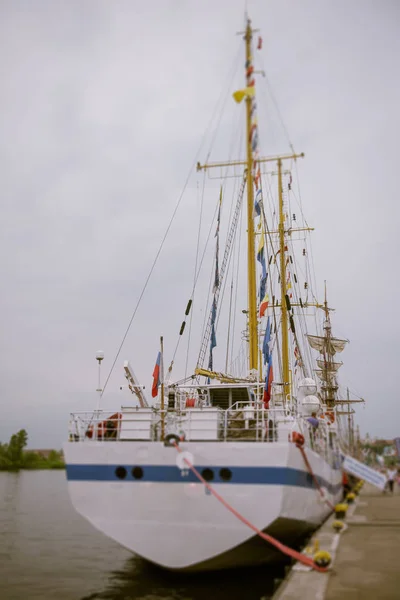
<point>213,337</point>
<point>258,203</point>
<point>263,296</point>
<point>249,92</point>
<point>267,359</point>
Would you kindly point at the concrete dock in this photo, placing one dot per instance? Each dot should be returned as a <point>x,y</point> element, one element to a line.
<point>366,556</point>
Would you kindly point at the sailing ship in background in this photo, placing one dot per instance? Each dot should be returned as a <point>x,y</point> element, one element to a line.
<point>259,430</point>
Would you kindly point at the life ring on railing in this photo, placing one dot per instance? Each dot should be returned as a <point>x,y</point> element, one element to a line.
<point>190,402</point>
<point>298,438</point>
<point>105,429</point>
<point>331,416</point>
<point>171,440</point>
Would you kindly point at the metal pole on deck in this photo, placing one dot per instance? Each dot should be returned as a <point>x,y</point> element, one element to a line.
<point>99,358</point>
<point>162,388</point>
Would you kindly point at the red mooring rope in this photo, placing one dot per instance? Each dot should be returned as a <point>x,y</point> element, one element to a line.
<point>304,455</point>
<point>306,560</point>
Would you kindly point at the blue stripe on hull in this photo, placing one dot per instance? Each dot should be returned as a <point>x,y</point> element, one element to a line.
<point>171,474</point>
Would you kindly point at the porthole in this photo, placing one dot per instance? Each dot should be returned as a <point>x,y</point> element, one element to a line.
<point>207,474</point>
<point>120,472</point>
<point>225,474</point>
<point>137,472</point>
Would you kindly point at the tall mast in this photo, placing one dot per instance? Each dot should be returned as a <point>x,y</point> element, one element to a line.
<point>248,93</point>
<point>251,259</point>
<point>349,419</point>
<point>284,312</point>
<point>331,387</point>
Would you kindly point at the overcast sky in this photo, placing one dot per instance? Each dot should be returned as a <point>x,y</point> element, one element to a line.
<point>103,107</point>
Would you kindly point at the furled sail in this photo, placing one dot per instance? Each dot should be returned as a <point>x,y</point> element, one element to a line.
<point>325,376</point>
<point>332,367</point>
<point>338,345</point>
<point>321,344</point>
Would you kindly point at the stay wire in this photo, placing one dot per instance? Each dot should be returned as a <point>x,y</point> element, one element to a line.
<point>231,76</point>
<point>274,101</point>
<point>222,96</point>
<point>237,281</point>
<point>194,275</point>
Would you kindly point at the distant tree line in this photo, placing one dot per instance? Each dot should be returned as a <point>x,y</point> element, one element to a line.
<point>374,453</point>
<point>14,457</point>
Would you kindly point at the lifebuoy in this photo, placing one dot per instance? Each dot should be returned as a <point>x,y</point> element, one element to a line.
<point>331,416</point>
<point>171,440</point>
<point>298,438</point>
<point>106,428</point>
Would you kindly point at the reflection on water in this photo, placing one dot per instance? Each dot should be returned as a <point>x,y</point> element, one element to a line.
<point>48,551</point>
<point>140,580</point>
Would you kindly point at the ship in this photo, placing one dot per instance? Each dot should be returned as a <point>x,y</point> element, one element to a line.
<point>231,453</point>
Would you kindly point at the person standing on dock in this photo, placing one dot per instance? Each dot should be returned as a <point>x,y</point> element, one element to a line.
<point>391,476</point>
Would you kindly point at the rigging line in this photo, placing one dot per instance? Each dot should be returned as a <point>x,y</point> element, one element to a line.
<point>231,75</point>
<point>224,286</point>
<point>147,281</point>
<point>302,317</point>
<point>225,263</point>
<point>230,254</point>
<point>235,243</point>
<point>229,325</point>
<point>222,268</point>
<point>194,275</point>
<point>269,236</point>
<point>232,204</point>
<point>274,101</point>
<point>270,199</point>
<point>300,346</point>
<point>237,280</point>
<point>300,202</point>
<point>205,318</point>
<point>212,275</point>
<point>202,259</point>
<point>198,273</point>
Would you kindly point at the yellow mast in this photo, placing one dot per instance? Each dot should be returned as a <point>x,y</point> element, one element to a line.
<point>249,93</point>
<point>251,259</point>
<point>284,312</point>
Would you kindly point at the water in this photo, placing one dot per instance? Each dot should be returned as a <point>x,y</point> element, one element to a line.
<point>48,552</point>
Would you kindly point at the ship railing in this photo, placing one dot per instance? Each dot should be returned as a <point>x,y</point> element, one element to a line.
<point>98,425</point>
<point>245,422</point>
<point>239,423</point>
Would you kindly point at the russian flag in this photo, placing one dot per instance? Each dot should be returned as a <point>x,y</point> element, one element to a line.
<point>268,383</point>
<point>156,376</point>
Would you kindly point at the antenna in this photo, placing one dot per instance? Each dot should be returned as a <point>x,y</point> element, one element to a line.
<point>99,358</point>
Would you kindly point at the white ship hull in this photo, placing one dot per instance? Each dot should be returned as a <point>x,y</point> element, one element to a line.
<point>169,518</point>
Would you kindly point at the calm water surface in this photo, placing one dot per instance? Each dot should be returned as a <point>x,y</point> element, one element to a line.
<point>49,552</point>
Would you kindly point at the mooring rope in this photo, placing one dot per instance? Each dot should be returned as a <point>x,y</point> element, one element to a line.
<point>305,560</point>
<point>315,480</point>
